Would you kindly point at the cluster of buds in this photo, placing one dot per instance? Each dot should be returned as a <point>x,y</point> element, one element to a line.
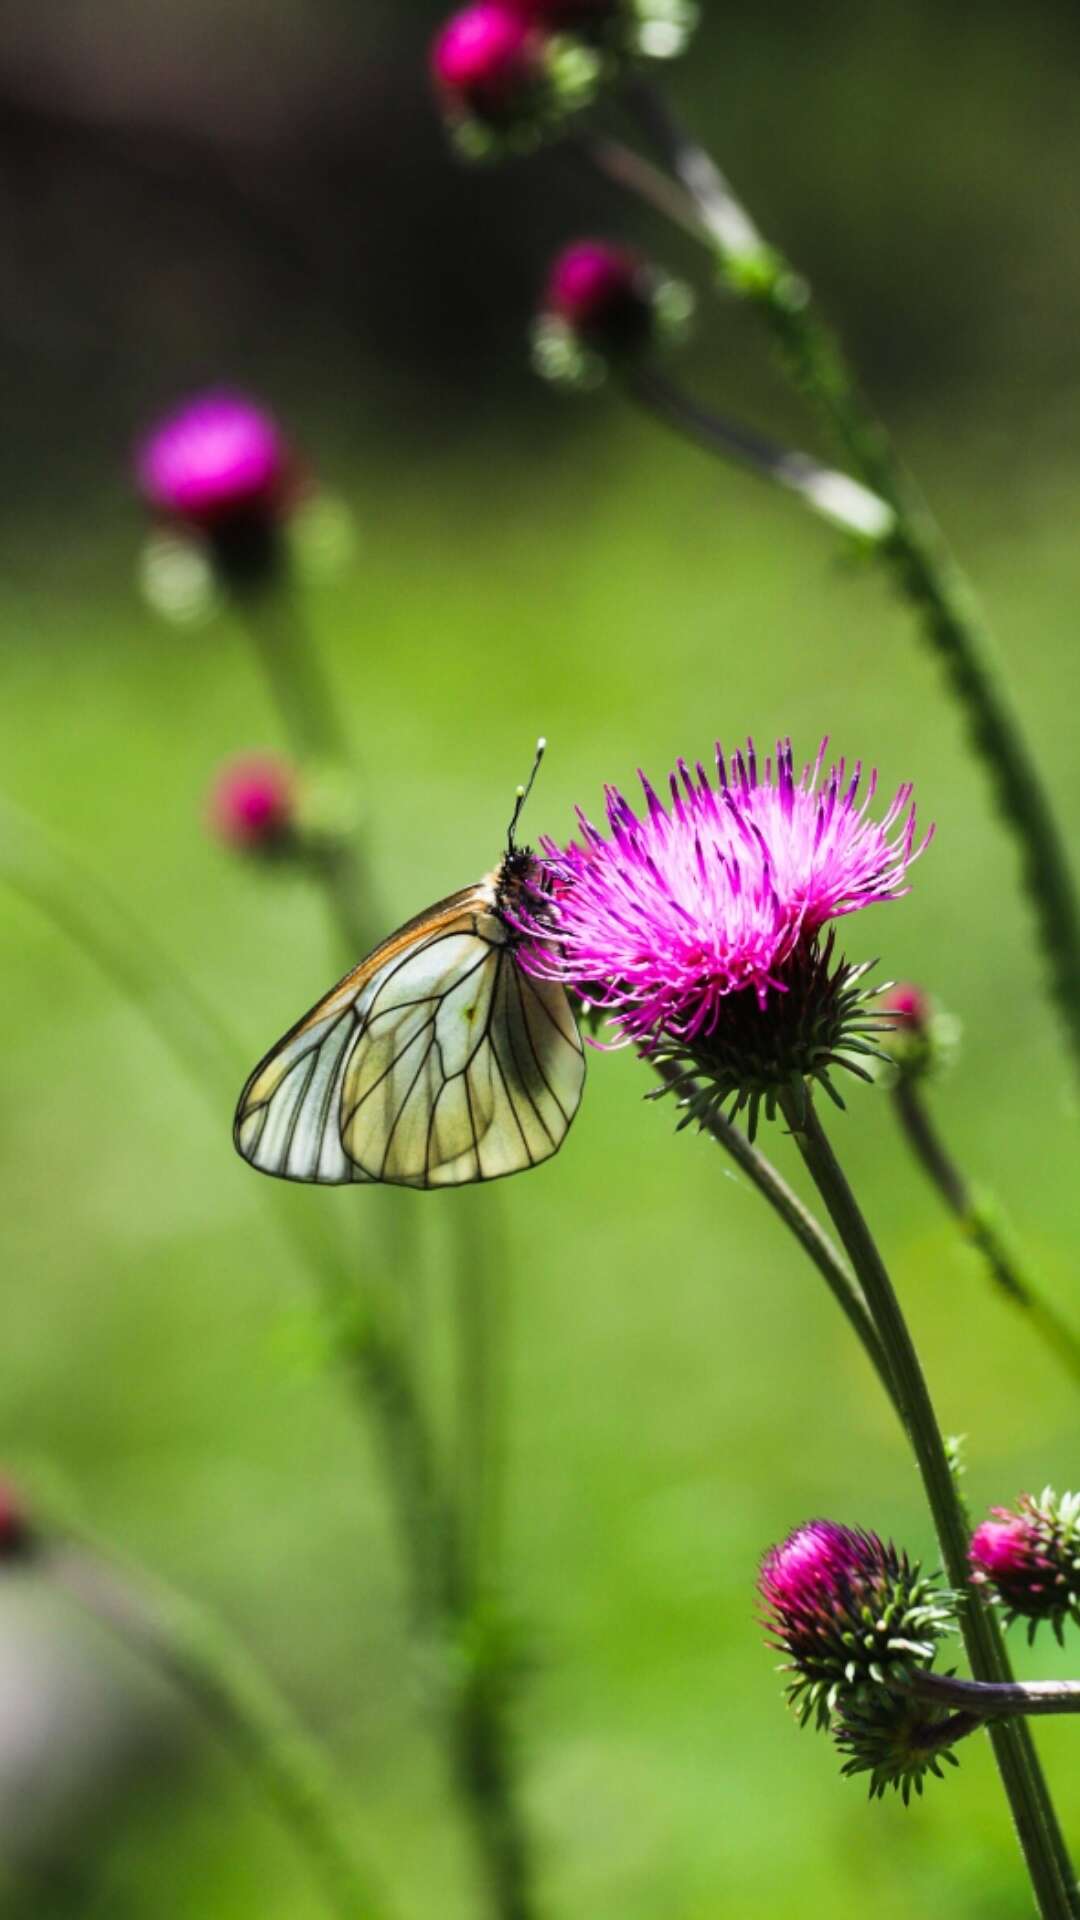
<point>1030,1559</point>
<point>261,806</point>
<point>508,72</point>
<point>855,1618</point>
<point>604,306</point>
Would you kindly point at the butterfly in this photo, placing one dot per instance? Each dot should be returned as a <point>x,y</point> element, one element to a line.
<point>436,1062</point>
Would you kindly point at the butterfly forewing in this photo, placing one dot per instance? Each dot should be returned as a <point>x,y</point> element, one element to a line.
<point>436,1062</point>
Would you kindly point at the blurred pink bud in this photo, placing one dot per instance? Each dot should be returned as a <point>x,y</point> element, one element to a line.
<point>602,291</point>
<point>909,1007</point>
<point>484,60</point>
<point>253,803</point>
<point>216,458</point>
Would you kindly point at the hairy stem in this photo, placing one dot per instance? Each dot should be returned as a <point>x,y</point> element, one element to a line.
<point>979,1220</point>
<point>1040,1836</point>
<point>218,1674</point>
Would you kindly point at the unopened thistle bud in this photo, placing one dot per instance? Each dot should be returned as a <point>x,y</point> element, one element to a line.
<point>504,81</point>
<point>897,1740</point>
<point>252,805</point>
<point>1030,1556</point>
<point>920,1039</point>
<point>853,1615</point>
<point>220,471</point>
<point>604,305</point>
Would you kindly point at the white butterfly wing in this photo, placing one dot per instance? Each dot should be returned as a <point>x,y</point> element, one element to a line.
<point>437,1062</point>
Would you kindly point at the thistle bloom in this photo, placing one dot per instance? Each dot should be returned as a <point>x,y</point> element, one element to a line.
<point>710,901</point>
<point>601,290</point>
<point>908,1007</point>
<point>252,804</point>
<point>219,456</point>
<point>1032,1557</point>
<point>484,59</point>
<point>848,1611</point>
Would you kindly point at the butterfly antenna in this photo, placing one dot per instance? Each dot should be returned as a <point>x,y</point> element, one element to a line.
<point>523,794</point>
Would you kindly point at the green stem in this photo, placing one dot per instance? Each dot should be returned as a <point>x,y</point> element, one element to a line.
<point>986,1701</point>
<point>831,496</point>
<point>1040,1836</point>
<point>921,565</point>
<point>365,1344</point>
<point>218,1674</point>
<point>808,1232</point>
<point>978,1218</point>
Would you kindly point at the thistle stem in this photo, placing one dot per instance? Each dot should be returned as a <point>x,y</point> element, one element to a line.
<point>978,1219</point>
<point>1036,1822</point>
<point>921,565</point>
<point>218,1674</point>
<point>832,496</point>
<point>365,1342</point>
<point>808,1232</point>
<point>985,1701</point>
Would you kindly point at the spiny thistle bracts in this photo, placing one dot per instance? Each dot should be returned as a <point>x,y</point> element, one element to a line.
<point>1030,1556</point>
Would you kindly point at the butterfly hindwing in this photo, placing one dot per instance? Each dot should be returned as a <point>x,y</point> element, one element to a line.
<point>437,1062</point>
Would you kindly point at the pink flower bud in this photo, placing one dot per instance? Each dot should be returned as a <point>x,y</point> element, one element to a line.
<point>484,60</point>
<point>252,804</point>
<point>908,1006</point>
<point>1031,1555</point>
<point>603,292</point>
<point>218,457</point>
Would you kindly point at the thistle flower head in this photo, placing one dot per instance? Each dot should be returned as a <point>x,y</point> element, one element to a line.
<point>503,79</point>
<point>1031,1556</point>
<point>252,804</point>
<point>217,456</point>
<point>604,304</point>
<point>691,924</point>
<point>852,1614</point>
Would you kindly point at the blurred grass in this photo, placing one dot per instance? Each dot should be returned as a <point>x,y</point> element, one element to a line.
<point>682,1390</point>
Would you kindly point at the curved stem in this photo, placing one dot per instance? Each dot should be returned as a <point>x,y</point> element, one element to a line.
<point>833,496</point>
<point>978,1219</point>
<point>985,1700</point>
<point>808,1232</point>
<point>921,565</point>
<point>218,1674</point>
<point>1044,1849</point>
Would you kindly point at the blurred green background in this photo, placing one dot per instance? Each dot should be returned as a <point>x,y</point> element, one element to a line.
<point>262,194</point>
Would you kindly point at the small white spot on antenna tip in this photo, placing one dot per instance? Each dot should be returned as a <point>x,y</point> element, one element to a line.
<point>519,793</point>
<point>541,745</point>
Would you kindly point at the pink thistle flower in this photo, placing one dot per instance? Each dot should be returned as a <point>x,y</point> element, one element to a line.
<point>849,1612</point>
<point>1032,1557</point>
<point>714,894</point>
<point>601,291</point>
<point>485,61</point>
<point>217,458</point>
<point>252,804</point>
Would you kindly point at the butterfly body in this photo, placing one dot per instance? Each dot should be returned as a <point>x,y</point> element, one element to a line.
<point>436,1062</point>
